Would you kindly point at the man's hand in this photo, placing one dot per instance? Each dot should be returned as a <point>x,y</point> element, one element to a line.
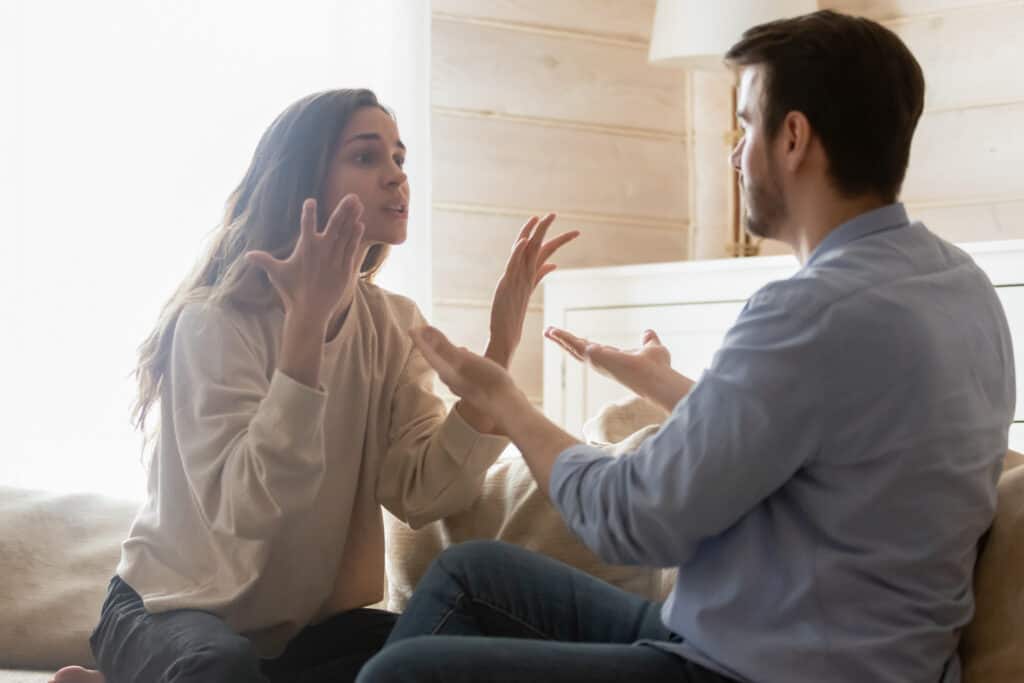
<point>646,371</point>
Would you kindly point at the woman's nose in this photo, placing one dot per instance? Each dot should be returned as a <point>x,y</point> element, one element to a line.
<point>397,177</point>
<point>734,157</point>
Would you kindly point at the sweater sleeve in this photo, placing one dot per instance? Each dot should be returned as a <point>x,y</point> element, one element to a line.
<point>436,462</point>
<point>252,448</point>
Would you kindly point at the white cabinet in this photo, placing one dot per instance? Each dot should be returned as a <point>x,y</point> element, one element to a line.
<point>691,305</point>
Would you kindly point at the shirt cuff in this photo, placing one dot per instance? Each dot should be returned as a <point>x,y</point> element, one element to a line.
<point>569,466</point>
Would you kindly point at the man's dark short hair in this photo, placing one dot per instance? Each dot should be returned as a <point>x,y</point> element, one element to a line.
<point>855,81</point>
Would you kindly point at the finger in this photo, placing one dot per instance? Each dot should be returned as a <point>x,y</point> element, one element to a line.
<point>307,221</point>
<point>348,210</point>
<point>524,232</point>
<point>518,249</point>
<point>569,341</point>
<point>261,259</point>
<point>537,238</point>
<point>350,250</point>
<point>651,337</point>
<point>555,244</point>
<point>599,358</point>
<point>565,347</point>
<point>605,357</point>
<point>438,352</point>
<point>265,262</point>
<point>544,270</point>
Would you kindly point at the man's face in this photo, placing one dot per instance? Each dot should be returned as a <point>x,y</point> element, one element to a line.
<point>754,159</point>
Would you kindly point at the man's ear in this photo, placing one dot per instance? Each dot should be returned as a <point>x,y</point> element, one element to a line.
<point>795,134</point>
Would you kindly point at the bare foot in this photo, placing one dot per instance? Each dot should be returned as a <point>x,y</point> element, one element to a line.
<point>76,674</point>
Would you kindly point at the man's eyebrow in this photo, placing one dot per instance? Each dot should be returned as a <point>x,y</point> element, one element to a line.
<point>370,136</point>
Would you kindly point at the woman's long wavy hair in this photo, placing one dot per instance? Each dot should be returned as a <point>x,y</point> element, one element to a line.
<point>290,164</point>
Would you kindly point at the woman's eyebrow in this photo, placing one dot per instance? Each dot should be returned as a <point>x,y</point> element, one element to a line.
<point>370,136</point>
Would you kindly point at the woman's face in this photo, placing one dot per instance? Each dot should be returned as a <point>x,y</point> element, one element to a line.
<point>368,163</point>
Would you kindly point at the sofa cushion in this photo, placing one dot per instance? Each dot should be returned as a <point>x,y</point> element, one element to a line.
<point>57,553</point>
<point>993,643</point>
<point>13,676</point>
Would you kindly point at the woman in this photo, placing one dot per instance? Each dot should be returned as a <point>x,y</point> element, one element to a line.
<point>293,404</point>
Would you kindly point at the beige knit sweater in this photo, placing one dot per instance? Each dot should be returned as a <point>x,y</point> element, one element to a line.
<point>264,494</point>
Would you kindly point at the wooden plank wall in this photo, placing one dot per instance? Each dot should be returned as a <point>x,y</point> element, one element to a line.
<point>965,179</point>
<point>541,106</point>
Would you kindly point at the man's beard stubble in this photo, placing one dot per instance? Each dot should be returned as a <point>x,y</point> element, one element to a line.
<point>765,208</point>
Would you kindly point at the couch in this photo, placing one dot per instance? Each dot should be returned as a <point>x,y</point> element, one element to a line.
<point>57,552</point>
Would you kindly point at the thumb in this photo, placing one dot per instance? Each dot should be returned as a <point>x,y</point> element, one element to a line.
<point>651,337</point>
<point>436,349</point>
<point>269,265</point>
<point>261,259</point>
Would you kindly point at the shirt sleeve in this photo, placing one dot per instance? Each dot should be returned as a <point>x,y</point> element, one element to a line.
<point>750,423</point>
<point>252,447</point>
<point>436,462</point>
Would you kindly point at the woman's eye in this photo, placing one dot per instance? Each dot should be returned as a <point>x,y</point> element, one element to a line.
<point>400,161</point>
<point>364,158</point>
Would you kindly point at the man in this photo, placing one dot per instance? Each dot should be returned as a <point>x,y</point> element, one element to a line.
<point>822,488</point>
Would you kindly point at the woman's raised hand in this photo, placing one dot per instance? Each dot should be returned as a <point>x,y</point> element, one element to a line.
<point>322,269</point>
<point>526,267</point>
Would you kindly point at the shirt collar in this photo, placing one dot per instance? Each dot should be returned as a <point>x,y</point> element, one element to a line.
<point>883,218</point>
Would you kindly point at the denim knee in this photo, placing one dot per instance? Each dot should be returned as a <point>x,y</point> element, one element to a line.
<point>406,660</point>
<point>471,555</point>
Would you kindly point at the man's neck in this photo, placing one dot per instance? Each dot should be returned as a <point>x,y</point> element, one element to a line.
<point>818,219</point>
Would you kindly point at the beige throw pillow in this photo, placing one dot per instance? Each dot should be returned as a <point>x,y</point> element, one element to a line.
<point>512,509</point>
<point>57,554</point>
<point>992,648</point>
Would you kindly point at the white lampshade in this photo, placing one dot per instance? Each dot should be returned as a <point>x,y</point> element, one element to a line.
<point>697,33</point>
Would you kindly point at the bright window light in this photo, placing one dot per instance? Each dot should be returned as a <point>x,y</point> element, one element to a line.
<point>128,124</point>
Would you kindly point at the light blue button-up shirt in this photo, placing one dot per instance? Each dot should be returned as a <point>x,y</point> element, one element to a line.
<point>823,487</point>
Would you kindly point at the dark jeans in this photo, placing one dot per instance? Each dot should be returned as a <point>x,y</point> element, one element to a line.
<point>192,646</point>
<point>544,621</point>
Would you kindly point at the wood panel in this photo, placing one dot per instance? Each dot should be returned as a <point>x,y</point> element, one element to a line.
<point>469,326</point>
<point>969,51</point>
<point>470,249</point>
<point>967,223</point>
<point>491,69</point>
<point>973,222</point>
<point>882,10</point>
<point>969,57</point>
<point>967,154</point>
<point>712,121</point>
<point>632,19</point>
<point>505,163</point>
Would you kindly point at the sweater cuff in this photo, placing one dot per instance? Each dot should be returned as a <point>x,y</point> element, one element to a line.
<point>292,413</point>
<point>468,446</point>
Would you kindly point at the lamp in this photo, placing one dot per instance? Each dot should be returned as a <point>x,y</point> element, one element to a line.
<point>695,34</point>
